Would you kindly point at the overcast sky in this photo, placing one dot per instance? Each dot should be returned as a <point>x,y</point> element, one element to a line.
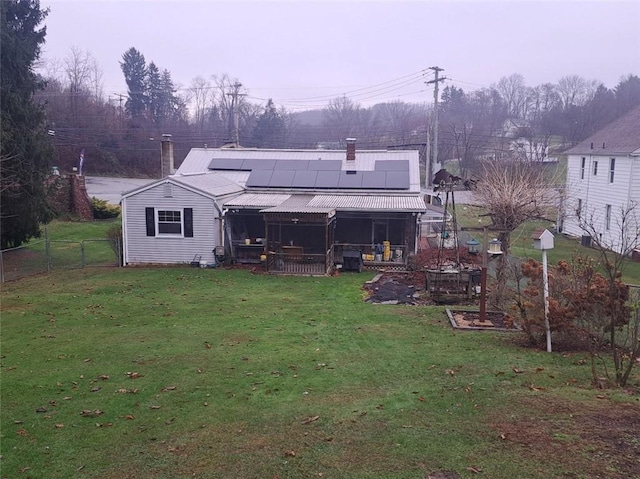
<point>303,53</point>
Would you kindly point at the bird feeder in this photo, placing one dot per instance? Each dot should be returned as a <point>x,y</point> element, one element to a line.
<point>495,247</point>
<point>473,246</point>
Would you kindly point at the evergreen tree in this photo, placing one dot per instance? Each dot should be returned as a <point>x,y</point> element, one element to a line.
<point>134,69</point>
<point>25,150</point>
<point>269,131</point>
<point>154,94</point>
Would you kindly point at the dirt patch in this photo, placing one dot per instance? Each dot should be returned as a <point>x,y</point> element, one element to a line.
<point>493,320</point>
<point>600,440</point>
<point>397,288</point>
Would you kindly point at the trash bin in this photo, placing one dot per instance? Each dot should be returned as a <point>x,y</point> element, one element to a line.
<point>352,261</point>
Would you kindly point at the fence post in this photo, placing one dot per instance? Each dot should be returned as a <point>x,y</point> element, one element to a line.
<point>82,256</point>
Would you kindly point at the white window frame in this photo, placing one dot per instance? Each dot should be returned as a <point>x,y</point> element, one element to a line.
<point>595,168</point>
<point>168,221</point>
<point>582,167</point>
<point>607,217</point>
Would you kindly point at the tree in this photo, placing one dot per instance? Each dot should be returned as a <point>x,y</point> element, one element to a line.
<point>627,93</point>
<point>511,193</point>
<point>269,131</point>
<point>134,68</point>
<point>25,151</point>
<point>614,250</point>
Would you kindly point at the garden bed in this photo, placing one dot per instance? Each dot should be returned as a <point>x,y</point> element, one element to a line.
<point>470,320</point>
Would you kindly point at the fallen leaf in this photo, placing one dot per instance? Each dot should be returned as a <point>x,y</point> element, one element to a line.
<point>104,377</point>
<point>154,406</point>
<point>96,389</point>
<point>168,388</point>
<point>41,409</point>
<point>517,371</point>
<point>22,432</point>
<point>474,469</point>
<point>134,375</point>
<point>129,417</point>
<point>290,453</point>
<point>310,419</point>
<point>53,403</point>
<point>207,345</point>
<point>89,413</point>
<point>59,426</point>
<point>503,436</point>
<point>450,372</point>
<point>421,399</point>
<point>537,388</point>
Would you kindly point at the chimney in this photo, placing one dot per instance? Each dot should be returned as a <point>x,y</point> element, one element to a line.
<point>166,156</point>
<point>351,149</point>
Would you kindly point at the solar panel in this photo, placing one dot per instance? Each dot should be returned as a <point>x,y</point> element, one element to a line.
<point>392,165</point>
<point>328,179</point>
<point>305,179</point>
<point>281,179</point>
<point>350,180</point>
<point>397,180</point>
<point>291,165</point>
<point>225,164</point>
<point>374,179</point>
<point>259,178</point>
<point>258,164</point>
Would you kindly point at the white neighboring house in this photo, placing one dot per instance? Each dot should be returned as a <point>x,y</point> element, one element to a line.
<point>175,219</point>
<point>603,179</point>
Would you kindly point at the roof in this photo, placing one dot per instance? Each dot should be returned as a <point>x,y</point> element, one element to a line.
<point>211,185</point>
<point>310,169</point>
<point>619,137</point>
<point>299,203</point>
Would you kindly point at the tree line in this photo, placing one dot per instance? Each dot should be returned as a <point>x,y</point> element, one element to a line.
<point>51,111</point>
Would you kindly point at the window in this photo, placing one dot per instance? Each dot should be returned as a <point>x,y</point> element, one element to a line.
<point>584,164</point>
<point>607,217</point>
<point>612,169</point>
<point>579,209</point>
<point>169,222</point>
<point>595,168</point>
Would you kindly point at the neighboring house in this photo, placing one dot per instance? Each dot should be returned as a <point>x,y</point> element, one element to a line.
<point>297,210</point>
<point>603,179</point>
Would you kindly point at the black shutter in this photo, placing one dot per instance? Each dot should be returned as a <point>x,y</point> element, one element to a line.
<point>151,221</point>
<point>188,222</point>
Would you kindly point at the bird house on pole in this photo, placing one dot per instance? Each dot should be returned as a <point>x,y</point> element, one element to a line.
<point>542,239</point>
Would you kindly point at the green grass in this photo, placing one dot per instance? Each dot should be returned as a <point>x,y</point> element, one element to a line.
<point>232,364</point>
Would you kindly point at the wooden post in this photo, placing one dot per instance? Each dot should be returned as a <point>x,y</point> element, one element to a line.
<point>483,277</point>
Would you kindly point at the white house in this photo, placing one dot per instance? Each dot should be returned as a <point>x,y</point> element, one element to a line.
<point>298,210</point>
<point>603,179</point>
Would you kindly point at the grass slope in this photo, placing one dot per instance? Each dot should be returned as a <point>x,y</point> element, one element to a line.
<point>183,372</point>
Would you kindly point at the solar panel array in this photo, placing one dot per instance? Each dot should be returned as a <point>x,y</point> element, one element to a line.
<point>318,174</point>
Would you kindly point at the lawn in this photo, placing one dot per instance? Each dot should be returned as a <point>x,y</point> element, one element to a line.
<point>210,373</point>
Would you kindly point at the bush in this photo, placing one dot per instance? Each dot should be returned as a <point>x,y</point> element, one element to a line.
<point>102,210</point>
<point>114,235</point>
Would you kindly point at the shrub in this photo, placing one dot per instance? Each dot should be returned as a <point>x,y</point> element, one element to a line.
<point>114,235</point>
<point>102,210</point>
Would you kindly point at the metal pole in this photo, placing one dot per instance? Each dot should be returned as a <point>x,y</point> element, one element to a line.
<point>545,279</point>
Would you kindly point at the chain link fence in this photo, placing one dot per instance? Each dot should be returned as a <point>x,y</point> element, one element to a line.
<point>45,255</point>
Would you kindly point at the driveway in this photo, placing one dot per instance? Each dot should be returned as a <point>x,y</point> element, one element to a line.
<point>111,189</point>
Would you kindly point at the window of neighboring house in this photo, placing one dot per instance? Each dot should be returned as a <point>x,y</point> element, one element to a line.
<point>584,164</point>
<point>178,222</point>
<point>607,217</point>
<point>595,168</point>
<point>612,169</point>
<point>579,209</point>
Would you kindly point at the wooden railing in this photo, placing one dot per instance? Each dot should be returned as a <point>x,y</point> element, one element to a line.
<point>298,263</point>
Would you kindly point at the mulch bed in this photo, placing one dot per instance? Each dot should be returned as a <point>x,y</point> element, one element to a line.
<point>397,288</point>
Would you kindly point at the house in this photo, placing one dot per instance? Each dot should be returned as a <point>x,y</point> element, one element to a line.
<point>603,179</point>
<point>299,211</point>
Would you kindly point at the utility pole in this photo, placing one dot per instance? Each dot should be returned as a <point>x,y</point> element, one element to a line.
<point>234,106</point>
<point>434,150</point>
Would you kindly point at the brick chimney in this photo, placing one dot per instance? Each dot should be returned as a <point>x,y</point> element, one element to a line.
<point>351,149</point>
<point>166,156</point>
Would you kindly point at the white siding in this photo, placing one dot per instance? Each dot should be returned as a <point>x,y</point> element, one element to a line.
<point>140,248</point>
<point>596,192</point>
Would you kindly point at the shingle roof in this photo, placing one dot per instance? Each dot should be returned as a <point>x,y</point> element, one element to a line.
<point>620,137</point>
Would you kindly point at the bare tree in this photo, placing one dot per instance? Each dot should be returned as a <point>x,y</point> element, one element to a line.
<point>512,193</point>
<point>623,326</point>
<point>199,94</point>
<point>513,92</point>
